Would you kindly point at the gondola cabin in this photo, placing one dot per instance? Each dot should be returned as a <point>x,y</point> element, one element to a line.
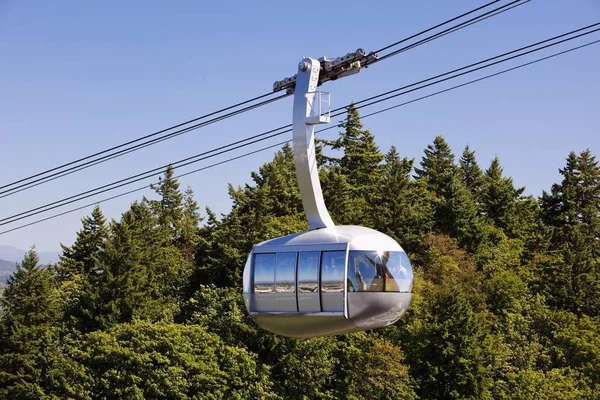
<point>327,282</point>
<point>331,279</point>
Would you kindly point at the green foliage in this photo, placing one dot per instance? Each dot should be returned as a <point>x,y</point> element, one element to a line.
<point>404,211</point>
<point>437,164</point>
<point>79,258</point>
<point>188,236</point>
<point>471,173</point>
<point>169,209</point>
<point>454,208</point>
<point>33,362</point>
<point>355,179</point>
<point>498,196</point>
<point>221,311</point>
<point>505,299</point>
<point>30,296</point>
<point>446,336</point>
<point>572,210</point>
<point>269,209</point>
<point>37,363</point>
<point>556,384</point>
<point>361,158</point>
<point>378,372</point>
<point>145,360</point>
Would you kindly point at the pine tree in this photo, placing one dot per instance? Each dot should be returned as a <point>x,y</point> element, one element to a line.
<point>161,260</point>
<point>455,210</point>
<point>572,209</point>
<point>169,208</point>
<point>344,206</point>
<point>30,296</point>
<point>361,164</point>
<point>458,217</point>
<point>187,238</point>
<point>472,176</point>
<point>271,207</point>
<point>121,279</point>
<point>404,211</point>
<point>437,165</point>
<point>32,358</point>
<point>361,159</point>
<point>78,258</point>
<point>499,196</point>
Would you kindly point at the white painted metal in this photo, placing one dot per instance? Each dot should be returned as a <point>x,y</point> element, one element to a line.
<point>324,304</point>
<point>303,125</point>
<point>357,310</point>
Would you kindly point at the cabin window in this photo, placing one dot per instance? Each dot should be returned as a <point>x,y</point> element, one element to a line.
<point>333,265</point>
<point>365,272</point>
<point>264,273</point>
<point>332,271</point>
<point>285,273</point>
<point>308,272</point>
<point>373,271</point>
<point>398,274</point>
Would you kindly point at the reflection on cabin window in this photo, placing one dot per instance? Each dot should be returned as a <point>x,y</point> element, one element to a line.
<point>285,273</point>
<point>308,272</point>
<point>332,271</point>
<point>372,271</point>
<point>264,273</point>
<point>399,273</point>
<point>368,271</point>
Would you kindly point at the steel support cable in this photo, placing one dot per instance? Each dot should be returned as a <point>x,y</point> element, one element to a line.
<point>141,176</point>
<point>288,141</point>
<point>32,184</point>
<point>477,69</point>
<point>94,163</point>
<point>139,139</point>
<point>458,27</point>
<point>56,175</point>
<point>168,136</point>
<point>436,26</point>
<point>484,61</point>
<point>257,138</point>
<point>455,28</point>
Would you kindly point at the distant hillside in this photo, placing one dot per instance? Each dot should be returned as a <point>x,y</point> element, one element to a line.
<point>6,268</point>
<point>13,254</point>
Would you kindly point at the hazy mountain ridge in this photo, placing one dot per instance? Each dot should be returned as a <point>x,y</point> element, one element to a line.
<point>12,254</point>
<point>6,268</point>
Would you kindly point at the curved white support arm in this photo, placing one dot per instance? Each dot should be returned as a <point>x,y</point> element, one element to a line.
<point>304,145</point>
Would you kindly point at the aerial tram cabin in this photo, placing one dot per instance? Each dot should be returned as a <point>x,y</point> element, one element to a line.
<point>327,281</point>
<point>331,279</point>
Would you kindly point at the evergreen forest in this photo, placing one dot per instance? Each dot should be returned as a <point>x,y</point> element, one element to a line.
<point>506,296</point>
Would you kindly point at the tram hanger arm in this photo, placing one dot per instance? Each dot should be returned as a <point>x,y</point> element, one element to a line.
<point>332,70</point>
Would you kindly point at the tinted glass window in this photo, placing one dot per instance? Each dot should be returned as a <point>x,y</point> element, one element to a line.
<point>365,272</point>
<point>332,271</point>
<point>374,271</point>
<point>264,273</point>
<point>399,274</point>
<point>286,273</point>
<point>308,272</point>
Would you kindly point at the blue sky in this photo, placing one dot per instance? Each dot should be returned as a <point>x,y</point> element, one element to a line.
<point>78,77</point>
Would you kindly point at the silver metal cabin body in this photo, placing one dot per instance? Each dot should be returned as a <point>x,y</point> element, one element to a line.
<point>331,279</point>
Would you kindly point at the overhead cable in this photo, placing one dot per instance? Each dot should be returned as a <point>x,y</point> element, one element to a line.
<point>59,174</point>
<point>464,24</point>
<point>239,144</point>
<point>54,173</point>
<point>289,141</point>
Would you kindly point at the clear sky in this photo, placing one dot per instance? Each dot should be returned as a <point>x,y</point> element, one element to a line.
<point>78,77</point>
